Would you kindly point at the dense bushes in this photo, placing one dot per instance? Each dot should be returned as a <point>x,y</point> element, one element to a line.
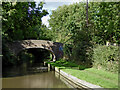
<point>82,53</point>
<point>106,57</point>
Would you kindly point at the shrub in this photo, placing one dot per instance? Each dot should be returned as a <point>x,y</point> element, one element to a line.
<point>105,57</point>
<point>63,63</point>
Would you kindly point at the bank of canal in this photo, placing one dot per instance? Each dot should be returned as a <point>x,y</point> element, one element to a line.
<point>78,76</point>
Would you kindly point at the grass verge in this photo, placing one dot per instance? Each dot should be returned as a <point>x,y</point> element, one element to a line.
<point>94,76</point>
<point>102,78</point>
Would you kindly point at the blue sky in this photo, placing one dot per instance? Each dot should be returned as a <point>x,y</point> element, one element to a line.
<point>52,5</point>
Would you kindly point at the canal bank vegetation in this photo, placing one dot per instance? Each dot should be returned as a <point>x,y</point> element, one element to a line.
<point>62,63</point>
<point>106,58</point>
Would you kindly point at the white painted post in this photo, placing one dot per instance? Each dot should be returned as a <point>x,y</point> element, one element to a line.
<point>107,43</point>
<point>48,67</point>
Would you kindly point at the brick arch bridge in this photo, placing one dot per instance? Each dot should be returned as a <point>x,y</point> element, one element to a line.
<point>54,47</point>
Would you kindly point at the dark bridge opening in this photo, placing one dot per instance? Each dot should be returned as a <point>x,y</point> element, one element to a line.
<point>34,56</point>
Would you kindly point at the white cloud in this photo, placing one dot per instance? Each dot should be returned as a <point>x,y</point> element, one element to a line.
<point>45,20</point>
<point>63,0</point>
<point>60,0</point>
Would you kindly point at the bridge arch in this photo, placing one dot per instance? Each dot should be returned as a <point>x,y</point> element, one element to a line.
<point>53,47</point>
<point>53,55</point>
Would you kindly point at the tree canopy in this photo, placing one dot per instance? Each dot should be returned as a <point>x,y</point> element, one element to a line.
<point>20,20</point>
<point>103,19</point>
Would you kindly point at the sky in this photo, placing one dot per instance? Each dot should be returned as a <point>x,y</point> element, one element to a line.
<point>53,5</point>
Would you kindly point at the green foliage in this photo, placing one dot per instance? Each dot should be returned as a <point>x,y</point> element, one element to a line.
<point>106,57</point>
<point>63,63</point>
<point>45,33</point>
<point>8,58</point>
<point>68,23</point>
<point>82,67</point>
<point>61,23</point>
<point>82,48</point>
<point>105,16</point>
<point>69,26</point>
<point>20,19</point>
<point>67,51</point>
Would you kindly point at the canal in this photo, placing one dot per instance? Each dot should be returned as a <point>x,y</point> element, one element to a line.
<point>17,77</point>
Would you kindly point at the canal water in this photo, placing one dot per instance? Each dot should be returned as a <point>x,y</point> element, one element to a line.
<point>13,78</point>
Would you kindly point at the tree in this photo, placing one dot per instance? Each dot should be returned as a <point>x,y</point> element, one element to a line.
<point>105,16</point>
<point>69,25</point>
<point>19,19</point>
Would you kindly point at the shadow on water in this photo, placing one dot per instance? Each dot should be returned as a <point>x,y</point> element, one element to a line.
<point>23,69</point>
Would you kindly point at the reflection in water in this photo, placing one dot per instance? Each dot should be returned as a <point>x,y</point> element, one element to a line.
<point>38,80</point>
<point>41,80</point>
